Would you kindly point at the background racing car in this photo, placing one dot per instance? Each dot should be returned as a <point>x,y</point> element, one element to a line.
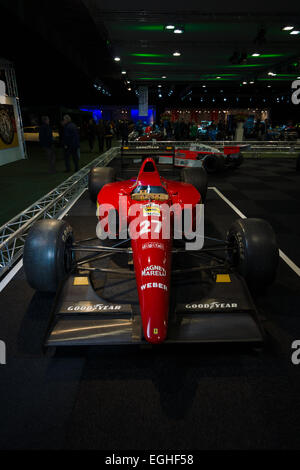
<point>210,158</point>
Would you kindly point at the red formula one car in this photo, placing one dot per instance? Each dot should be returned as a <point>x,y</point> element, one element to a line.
<point>212,159</point>
<point>220,309</point>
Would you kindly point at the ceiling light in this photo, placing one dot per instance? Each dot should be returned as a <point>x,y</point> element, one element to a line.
<point>244,83</point>
<point>117,59</point>
<point>163,76</point>
<point>251,83</point>
<point>159,86</point>
<point>128,81</point>
<point>203,86</point>
<point>169,26</point>
<point>160,96</point>
<point>218,77</point>
<point>287,28</point>
<point>178,30</point>
<point>123,72</point>
<point>295,32</point>
<point>269,86</point>
<point>176,54</point>
<point>129,89</point>
<point>255,54</point>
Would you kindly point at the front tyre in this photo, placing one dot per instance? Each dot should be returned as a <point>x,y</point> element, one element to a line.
<point>253,250</point>
<point>198,178</point>
<point>98,177</point>
<point>48,256</point>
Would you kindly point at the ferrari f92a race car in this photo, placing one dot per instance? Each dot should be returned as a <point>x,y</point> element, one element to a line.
<point>210,158</point>
<point>219,309</point>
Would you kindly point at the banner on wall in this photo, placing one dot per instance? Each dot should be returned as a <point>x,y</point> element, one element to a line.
<point>2,87</point>
<point>143,101</point>
<point>8,130</point>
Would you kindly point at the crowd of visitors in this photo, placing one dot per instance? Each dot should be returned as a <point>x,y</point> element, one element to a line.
<point>69,140</point>
<point>100,134</point>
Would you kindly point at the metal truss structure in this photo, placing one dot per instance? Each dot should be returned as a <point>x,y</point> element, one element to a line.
<point>52,205</point>
<point>254,146</point>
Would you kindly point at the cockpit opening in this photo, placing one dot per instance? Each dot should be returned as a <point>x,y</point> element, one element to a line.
<point>142,193</point>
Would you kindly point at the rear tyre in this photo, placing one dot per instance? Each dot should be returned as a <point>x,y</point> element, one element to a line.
<point>235,160</point>
<point>99,177</point>
<point>240,160</point>
<point>253,251</point>
<point>198,178</point>
<point>48,256</point>
<point>214,163</point>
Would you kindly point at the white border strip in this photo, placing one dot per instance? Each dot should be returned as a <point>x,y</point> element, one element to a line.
<point>19,264</point>
<point>282,255</point>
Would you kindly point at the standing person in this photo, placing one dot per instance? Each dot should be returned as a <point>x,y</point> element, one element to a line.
<point>177,130</point>
<point>46,141</point>
<point>193,131</point>
<point>182,129</point>
<point>71,143</point>
<point>124,131</point>
<point>108,134</point>
<point>139,128</point>
<point>100,134</point>
<point>91,133</point>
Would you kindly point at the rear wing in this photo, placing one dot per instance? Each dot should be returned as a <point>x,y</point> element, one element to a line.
<point>143,150</point>
<point>230,149</point>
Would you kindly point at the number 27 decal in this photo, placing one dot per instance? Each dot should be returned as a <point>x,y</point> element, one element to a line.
<point>146,224</point>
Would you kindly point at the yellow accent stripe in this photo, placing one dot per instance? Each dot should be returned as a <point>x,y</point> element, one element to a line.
<point>81,281</point>
<point>223,278</point>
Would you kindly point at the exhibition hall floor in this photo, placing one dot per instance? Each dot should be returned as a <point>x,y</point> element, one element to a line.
<point>179,396</point>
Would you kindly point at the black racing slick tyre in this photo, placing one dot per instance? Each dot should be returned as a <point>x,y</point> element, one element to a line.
<point>214,163</point>
<point>239,160</point>
<point>99,177</point>
<point>48,256</point>
<point>253,250</point>
<point>234,160</point>
<point>198,178</point>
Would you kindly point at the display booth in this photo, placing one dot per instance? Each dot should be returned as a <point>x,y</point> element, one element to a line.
<point>214,115</point>
<point>114,112</point>
<point>12,144</point>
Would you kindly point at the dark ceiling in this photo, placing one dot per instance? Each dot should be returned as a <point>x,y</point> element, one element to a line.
<point>62,48</point>
<point>209,40</point>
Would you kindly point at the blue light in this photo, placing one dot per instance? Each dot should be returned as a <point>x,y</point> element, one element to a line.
<point>134,112</point>
<point>97,113</point>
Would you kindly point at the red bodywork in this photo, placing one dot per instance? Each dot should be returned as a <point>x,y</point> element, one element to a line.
<point>152,249</point>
